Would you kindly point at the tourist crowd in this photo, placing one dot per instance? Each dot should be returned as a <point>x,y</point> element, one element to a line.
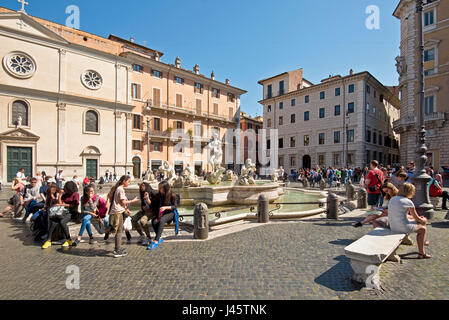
<point>50,204</point>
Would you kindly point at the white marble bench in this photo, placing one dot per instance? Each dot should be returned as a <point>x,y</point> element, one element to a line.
<point>369,252</point>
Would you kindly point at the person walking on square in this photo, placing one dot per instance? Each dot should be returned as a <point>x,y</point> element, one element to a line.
<point>117,211</point>
<point>59,178</point>
<point>374,181</point>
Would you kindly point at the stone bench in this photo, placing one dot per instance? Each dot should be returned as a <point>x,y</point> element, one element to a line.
<point>369,252</point>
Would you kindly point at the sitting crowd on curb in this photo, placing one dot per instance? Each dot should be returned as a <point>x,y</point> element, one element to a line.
<point>50,208</point>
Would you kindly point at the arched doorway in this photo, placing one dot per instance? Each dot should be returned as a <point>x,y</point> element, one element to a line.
<point>136,167</point>
<point>307,162</point>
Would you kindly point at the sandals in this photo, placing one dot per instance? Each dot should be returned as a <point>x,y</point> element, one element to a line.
<point>422,256</point>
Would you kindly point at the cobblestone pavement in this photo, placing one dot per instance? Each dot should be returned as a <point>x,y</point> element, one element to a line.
<point>302,260</point>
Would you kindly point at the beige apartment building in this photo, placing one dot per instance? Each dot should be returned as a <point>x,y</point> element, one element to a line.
<point>79,102</point>
<point>344,120</point>
<point>172,102</point>
<point>436,80</point>
<point>249,137</point>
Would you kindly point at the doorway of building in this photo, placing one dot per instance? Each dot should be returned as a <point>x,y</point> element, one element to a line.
<point>92,168</point>
<point>137,164</point>
<point>307,162</point>
<point>18,158</point>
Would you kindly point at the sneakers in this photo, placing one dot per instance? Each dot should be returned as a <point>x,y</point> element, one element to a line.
<point>92,240</point>
<point>76,243</point>
<point>154,245</point>
<point>67,244</point>
<point>121,253</point>
<point>46,245</point>
<point>146,242</point>
<point>358,225</point>
<point>141,240</point>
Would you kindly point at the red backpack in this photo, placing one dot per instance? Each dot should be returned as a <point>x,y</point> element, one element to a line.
<point>435,190</point>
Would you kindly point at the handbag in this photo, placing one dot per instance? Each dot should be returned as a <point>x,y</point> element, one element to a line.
<point>435,190</point>
<point>128,224</point>
<point>57,213</point>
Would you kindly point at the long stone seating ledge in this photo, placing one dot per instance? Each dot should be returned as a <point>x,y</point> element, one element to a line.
<point>369,252</point>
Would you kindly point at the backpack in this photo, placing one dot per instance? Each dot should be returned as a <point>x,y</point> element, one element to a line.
<point>435,189</point>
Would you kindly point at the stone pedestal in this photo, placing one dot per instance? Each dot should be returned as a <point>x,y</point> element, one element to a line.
<point>366,273</point>
<point>362,200</point>
<point>201,222</point>
<point>350,191</point>
<point>332,206</point>
<point>263,209</point>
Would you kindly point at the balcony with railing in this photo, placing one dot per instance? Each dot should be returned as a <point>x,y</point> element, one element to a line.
<point>434,117</point>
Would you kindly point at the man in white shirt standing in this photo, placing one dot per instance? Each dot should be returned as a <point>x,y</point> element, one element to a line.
<point>21,174</point>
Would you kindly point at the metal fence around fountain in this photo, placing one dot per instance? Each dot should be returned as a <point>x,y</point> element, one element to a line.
<point>218,214</point>
<point>280,204</point>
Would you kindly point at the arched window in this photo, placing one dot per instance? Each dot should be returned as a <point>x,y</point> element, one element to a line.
<point>91,121</point>
<point>20,109</point>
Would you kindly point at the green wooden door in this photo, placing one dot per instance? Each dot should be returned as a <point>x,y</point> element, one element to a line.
<point>19,158</point>
<point>91,168</point>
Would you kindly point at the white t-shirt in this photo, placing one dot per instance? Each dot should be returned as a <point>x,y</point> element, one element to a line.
<point>398,209</point>
<point>20,175</point>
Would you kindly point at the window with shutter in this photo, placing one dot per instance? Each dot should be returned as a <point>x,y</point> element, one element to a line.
<point>198,106</point>
<point>156,97</point>
<point>179,100</point>
<point>216,108</point>
<point>231,114</point>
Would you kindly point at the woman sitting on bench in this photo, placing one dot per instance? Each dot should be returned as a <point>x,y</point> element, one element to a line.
<point>379,218</point>
<point>398,210</point>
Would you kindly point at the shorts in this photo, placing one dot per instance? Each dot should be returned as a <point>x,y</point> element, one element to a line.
<point>373,199</point>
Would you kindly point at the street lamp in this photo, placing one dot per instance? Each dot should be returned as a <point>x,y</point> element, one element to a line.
<point>148,110</point>
<point>421,179</point>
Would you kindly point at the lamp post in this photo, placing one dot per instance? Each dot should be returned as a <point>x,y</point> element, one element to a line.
<point>148,109</point>
<point>421,179</point>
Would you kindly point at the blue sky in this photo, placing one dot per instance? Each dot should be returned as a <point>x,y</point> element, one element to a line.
<point>247,40</point>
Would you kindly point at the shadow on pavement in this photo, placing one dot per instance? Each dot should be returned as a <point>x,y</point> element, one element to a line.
<point>342,242</point>
<point>443,224</point>
<point>338,278</point>
<point>89,253</point>
<point>22,232</point>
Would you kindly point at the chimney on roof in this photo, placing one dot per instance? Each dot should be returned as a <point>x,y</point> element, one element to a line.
<point>212,75</point>
<point>157,57</point>
<point>131,40</point>
<point>178,62</point>
<point>227,82</point>
<point>351,72</point>
<point>196,69</point>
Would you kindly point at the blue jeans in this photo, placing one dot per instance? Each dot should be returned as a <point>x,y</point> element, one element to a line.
<point>59,184</point>
<point>86,225</point>
<point>331,180</point>
<point>28,208</point>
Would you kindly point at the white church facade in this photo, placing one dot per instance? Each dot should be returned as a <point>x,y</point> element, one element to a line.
<point>63,105</point>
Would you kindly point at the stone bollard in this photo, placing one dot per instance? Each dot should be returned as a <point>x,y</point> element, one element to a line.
<point>332,206</point>
<point>263,213</point>
<point>201,222</point>
<point>350,191</point>
<point>362,201</point>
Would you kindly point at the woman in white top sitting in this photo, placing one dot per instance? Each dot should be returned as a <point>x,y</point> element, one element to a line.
<point>398,209</point>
